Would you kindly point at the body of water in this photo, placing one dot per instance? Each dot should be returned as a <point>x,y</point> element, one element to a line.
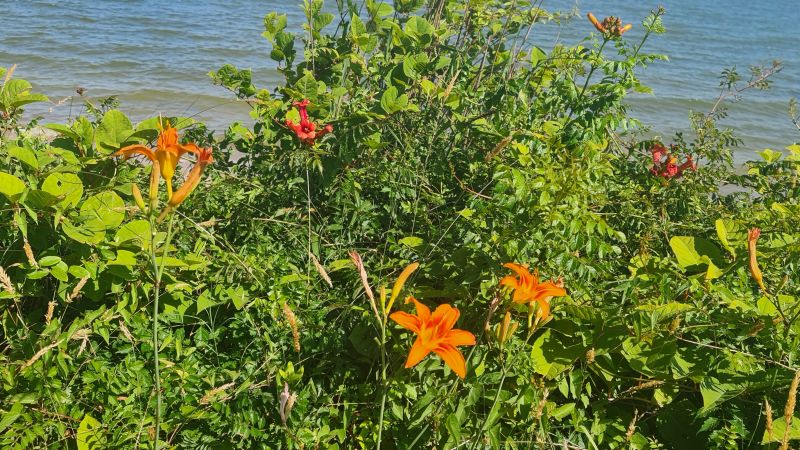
<point>156,55</point>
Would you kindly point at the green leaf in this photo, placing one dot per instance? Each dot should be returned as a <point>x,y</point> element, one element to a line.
<point>24,155</point>
<point>66,186</point>
<point>40,199</point>
<point>82,233</point>
<point>124,258</point>
<point>770,156</point>
<point>11,416</point>
<point>64,131</point>
<point>11,187</point>
<point>697,255</point>
<point>113,132</point>
<point>453,427</point>
<point>778,430</point>
<point>309,88</point>
<point>411,241</point>
<point>48,261</point>
<point>551,355</point>
<point>106,210</point>
<point>135,233</point>
<point>238,296</point>
<point>731,234</point>
<point>391,102</point>
<point>90,434</point>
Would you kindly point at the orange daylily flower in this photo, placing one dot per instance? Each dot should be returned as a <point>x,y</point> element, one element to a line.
<point>435,333</point>
<point>167,153</point>
<point>528,289</point>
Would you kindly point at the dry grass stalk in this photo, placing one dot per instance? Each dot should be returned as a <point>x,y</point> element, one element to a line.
<point>292,319</point>
<point>542,403</point>
<point>320,269</point>
<point>212,394</point>
<point>40,353</point>
<point>5,280</point>
<point>768,414</point>
<point>362,272</point>
<point>48,316</point>
<point>632,426</point>
<point>29,254</point>
<point>788,412</point>
<point>126,332</point>
<point>76,291</point>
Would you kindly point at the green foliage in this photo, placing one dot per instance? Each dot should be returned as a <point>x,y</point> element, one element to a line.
<point>456,143</point>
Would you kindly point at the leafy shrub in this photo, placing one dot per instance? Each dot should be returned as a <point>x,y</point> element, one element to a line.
<point>454,143</point>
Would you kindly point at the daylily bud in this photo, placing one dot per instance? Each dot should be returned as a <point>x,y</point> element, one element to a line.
<point>595,22</point>
<point>755,271</point>
<point>203,159</point>
<point>137,197</point>
<point>155,173</point>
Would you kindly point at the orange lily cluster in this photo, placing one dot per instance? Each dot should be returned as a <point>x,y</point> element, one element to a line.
<point>611,26</point>
<point>165,158</point>
<point>666,165</point>
<point>435,334</point>
<point>306,130</point>
<point>529,290</point>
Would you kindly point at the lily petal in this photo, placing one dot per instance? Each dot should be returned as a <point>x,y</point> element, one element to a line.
<point>549,289</point>
<point>406,320</point>
<point>418,353</point>
<point>446,316</point>
<point>453,358</point>
<point>136,149</point>
<point>423,311</point>
<point>459,337</point>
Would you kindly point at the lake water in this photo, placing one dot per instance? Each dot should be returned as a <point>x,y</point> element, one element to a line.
<point>156,55</point>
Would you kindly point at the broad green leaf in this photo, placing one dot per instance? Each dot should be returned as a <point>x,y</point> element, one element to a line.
<point>40,199</point>
<point>11,187</point>
<point>64,131</point>
<point>779,429</point>
<point>134,233</point>
<point>731,234</point>
<point>24,155</point>
<point>82,233</point>
<point>697,255</point>
<point>124,258</point>
<point>113,132</point>
<point>66,186</point>
<point>48,261</point>
<point>105,209</point>
<point>90,434</point>
<point>411,241</point>
<point>12,415</point>
<point>551,355</point>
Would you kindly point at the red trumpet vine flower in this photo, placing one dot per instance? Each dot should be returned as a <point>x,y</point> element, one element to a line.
<point>435,334</point>
<point>666,165</point>
<point>610,27</point>
<point>306,130</point>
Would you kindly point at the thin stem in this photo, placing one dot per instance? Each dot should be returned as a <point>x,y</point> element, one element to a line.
<point>158,272</point>
<point>500,389</point>
<point>383,382</point>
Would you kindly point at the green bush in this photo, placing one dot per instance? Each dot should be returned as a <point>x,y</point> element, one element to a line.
<point>456,144</point>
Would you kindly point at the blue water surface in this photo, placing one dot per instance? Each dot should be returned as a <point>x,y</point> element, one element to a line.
<point>155,55</point>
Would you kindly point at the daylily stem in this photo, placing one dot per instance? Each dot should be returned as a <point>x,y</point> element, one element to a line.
<point>158,272</point>
<point>383,382</point>
<point>500,389</point>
